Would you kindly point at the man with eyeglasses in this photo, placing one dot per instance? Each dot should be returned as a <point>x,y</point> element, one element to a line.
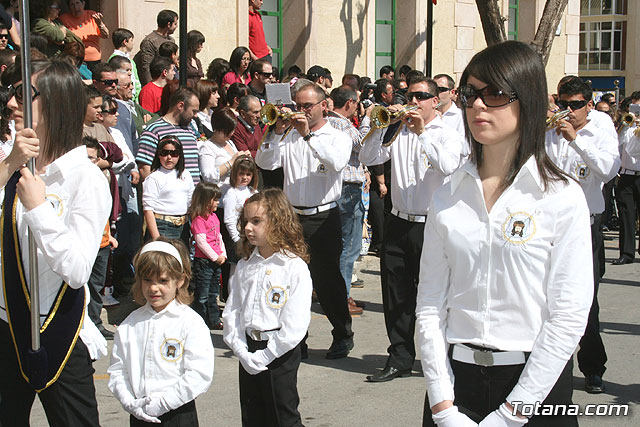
<point>105,79</point>
<point>4,37</point>
<point>313,154</point>
<point>423,153</point>
<point>261,72</point>
<point>589,154</point>
<point>451,114</point>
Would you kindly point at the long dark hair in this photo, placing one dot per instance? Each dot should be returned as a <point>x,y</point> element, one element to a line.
<point>194,39</point>
<point>514,66</point>
<point>236,59</point>
<point>169,139</point>
<point>62,114</point>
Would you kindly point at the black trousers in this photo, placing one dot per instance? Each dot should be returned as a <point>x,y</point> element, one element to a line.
<point>628,199</point>
<point>69,402</point>
<point>376,219</point>
<point>184,416</point>
<point>400,267</point>
<point>270,398</point>
<point>592,355</point>
<point>481,390</point>
<point>323,235</point>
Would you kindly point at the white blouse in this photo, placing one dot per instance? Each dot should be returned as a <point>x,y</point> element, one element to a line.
<point>233,204</point>
<point>517,278</point>
<point>164,193</point>
<point>210,157</point>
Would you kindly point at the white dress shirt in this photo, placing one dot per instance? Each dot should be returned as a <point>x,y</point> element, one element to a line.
<point>233,203</point>
<point>210,157</point>
<point>592,159</point>
<point>518,278</point>
<point>164,193</point>
<point>67,229</point>
<point>603,121</point>
<point>454,119</point>
<point>629,149</point>
<point>167,354</point>
<point>312,169</point>
<point>272,294</point>
<point>419,164</point>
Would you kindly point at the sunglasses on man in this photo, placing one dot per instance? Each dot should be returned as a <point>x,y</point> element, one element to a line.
<point>109,82</point>
<point>574,105</point>
<point>4,36</point>
<point>420,96</point>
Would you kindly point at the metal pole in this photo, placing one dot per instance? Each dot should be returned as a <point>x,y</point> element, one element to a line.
<point>25,59</point>
<point>429,37</point>
<point>183,42</point>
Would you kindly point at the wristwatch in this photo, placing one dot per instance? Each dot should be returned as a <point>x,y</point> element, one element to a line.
<point>308,137</point>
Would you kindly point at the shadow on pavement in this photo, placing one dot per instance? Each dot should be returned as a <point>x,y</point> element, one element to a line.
<point>613,328</point>
<point>621,393</point>
<point>367,365</point>
<point>620,282</point>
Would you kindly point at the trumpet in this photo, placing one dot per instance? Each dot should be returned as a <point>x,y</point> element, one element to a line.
<point>381,116</point>
<point>557,118</point>
<point>628,119</point>
<point>270,113</point>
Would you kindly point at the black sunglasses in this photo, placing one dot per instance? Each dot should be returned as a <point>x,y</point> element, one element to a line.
<point>490,96</point>
<point>174,153</point>
<point>574,105</point>
<point>265,74</point>
<point>110,111</point>
<point>109,82</point>
<point>442,89</point>
<point>4,36</point>
<point>420,96</point>
<point>17,92</point>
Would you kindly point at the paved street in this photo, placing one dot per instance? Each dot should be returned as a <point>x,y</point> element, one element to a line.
<point>334,393</point>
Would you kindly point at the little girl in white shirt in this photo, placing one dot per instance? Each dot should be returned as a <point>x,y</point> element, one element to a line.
<point>162,355</point>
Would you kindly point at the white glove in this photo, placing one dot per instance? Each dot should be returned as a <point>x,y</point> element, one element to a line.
<point>156,406</point>
<point>503,417</point>
<point>261,358</point>
<point>451,417</point>
<point>249,364</point>
<point>134,407</point>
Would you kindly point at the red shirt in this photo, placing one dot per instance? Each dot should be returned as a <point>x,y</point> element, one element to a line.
<point>257,41</point>
<point>150,97</point>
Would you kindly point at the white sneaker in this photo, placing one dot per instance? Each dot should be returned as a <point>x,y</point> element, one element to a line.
<point>107,299</point>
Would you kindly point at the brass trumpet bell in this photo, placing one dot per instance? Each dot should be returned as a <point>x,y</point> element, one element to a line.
<point>557,118</point>
<point>381,116</point>
<point>269,114</point>
<point>628,119</point>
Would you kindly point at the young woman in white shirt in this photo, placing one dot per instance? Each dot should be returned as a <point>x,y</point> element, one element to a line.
<point>162,356</point>
<point>65,205</point>
<point>506,284</point>
<point>167,191</point>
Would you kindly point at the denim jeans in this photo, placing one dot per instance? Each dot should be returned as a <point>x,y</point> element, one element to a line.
<point>351,217</point>
<point>207,280</point>
<point>166,229</point>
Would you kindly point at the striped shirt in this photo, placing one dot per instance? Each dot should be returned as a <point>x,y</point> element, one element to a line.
<point>161,128</point>
<point>354,171</point>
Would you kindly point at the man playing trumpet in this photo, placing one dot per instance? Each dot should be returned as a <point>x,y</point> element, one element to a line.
<point>312,156</point>
<point>424,153</point>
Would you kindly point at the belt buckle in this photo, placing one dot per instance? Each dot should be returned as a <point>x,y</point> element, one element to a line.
<point>255,335</point>
<point>411,218</point>
<point>483,357</point>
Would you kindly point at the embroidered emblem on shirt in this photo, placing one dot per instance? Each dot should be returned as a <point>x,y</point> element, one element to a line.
<point>276,297</point>
<point>56,202</point>
<point>171,350</point>
<point>321,168</point>
<point>519,227</point>
<point>582,171</point>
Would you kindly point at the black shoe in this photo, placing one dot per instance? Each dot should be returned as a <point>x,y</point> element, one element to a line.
<point>340,348</point>
<point>107,334</point>
<point>387,374</point>
<point>304,351</point>
<point>357,284</point>
<point>593,384</point>
<point>622,260</point>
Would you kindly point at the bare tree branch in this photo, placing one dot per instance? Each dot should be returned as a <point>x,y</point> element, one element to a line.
<point>492,21</point>
<point>553,10</point>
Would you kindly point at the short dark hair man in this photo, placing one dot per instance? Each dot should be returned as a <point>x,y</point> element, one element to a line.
<point>261,72</point>
<point>167,23</point>
<point>451,114</point>
<point>317,74</point>
<point>383,93</point>
<point>386,72</point>
<point>105,79</point>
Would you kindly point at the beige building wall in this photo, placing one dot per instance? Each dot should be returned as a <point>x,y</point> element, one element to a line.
<point>340,35</point>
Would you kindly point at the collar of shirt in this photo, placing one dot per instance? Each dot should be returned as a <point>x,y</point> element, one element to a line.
<point>247,126</point>
<point>172,309</point>
<point>468,168</point>
<point>590,129</point>
<point>453,110</point>
<point>67,162</point>
<point>436,122</point>
<point>338,116</point>
<point>256,256</point>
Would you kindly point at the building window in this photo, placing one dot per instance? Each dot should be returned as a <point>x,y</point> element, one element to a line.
<point>385,34</point>
<point>603,7</point>
<point>512,23</point>
<point>601,45</point>
<point>272,23</point>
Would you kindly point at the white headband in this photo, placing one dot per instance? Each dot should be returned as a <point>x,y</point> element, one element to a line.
<point>165,247</point>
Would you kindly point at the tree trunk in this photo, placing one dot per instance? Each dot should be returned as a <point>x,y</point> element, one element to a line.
<point>553,10</point>
<point>492,21</point>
